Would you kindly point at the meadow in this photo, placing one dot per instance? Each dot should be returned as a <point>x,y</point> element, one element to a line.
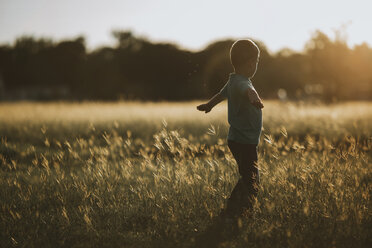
<point>130,174</point>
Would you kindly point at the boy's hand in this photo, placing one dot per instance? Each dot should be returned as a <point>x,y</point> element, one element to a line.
<point>258,104</point>
<point>204,107</point>
<point>254,98</point>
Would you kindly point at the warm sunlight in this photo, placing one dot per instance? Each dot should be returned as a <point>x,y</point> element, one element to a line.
<point>192,24</point>
<point>185,123</point>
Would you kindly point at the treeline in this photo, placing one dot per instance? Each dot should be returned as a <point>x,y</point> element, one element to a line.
<point>138,69</point>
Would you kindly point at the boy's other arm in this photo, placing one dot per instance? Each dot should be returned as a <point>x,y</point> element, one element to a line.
<point>254,98</point>
<point>207,107</point>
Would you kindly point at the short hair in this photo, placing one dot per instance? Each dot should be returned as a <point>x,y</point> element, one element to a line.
<point>242,51</point>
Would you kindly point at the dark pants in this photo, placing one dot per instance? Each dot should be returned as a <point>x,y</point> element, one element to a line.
<point>246,189</point>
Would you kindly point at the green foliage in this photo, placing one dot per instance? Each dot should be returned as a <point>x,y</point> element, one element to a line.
<point>109,175</point>
<point>138,69</point>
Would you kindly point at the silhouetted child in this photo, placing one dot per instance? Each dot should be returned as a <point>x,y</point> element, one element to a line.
<point>245,119</point>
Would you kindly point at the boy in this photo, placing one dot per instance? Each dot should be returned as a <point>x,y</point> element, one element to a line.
<point>245,119</point>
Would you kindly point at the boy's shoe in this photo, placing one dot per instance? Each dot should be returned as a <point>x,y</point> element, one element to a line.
<point>233,226</point>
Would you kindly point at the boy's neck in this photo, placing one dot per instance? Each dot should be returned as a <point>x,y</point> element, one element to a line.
<point>243,73</point>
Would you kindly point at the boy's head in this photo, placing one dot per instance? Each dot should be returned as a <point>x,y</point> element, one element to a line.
<point>244,55</point>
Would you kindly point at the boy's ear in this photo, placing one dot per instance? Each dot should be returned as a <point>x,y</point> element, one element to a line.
<point>253,60</point>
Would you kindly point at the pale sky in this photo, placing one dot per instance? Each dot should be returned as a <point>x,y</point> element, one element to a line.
<point>192,24</point>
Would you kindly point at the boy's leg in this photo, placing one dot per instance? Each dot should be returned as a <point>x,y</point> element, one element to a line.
<point>249,174</point>
<point>246,188</point>
<point>238,191</point>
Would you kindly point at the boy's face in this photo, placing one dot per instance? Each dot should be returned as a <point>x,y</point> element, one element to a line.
<point>248,68</point>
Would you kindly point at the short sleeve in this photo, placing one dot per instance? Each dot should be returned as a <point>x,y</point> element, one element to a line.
<point>243,87</point>
<point>223,91</point>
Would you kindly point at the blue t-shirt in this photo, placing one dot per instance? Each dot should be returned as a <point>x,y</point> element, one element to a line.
<point>245,119</point>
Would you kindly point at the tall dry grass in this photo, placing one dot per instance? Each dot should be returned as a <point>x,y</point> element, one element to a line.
<point>153,175</point>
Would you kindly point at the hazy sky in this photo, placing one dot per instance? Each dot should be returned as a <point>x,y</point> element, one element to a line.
<point>189,23</point>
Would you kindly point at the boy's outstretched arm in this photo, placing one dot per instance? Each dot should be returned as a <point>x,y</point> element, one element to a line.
<point>254,98</point>
<point>207,107</point>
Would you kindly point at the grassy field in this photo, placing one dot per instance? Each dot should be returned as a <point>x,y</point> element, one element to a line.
<point>154,174</point>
